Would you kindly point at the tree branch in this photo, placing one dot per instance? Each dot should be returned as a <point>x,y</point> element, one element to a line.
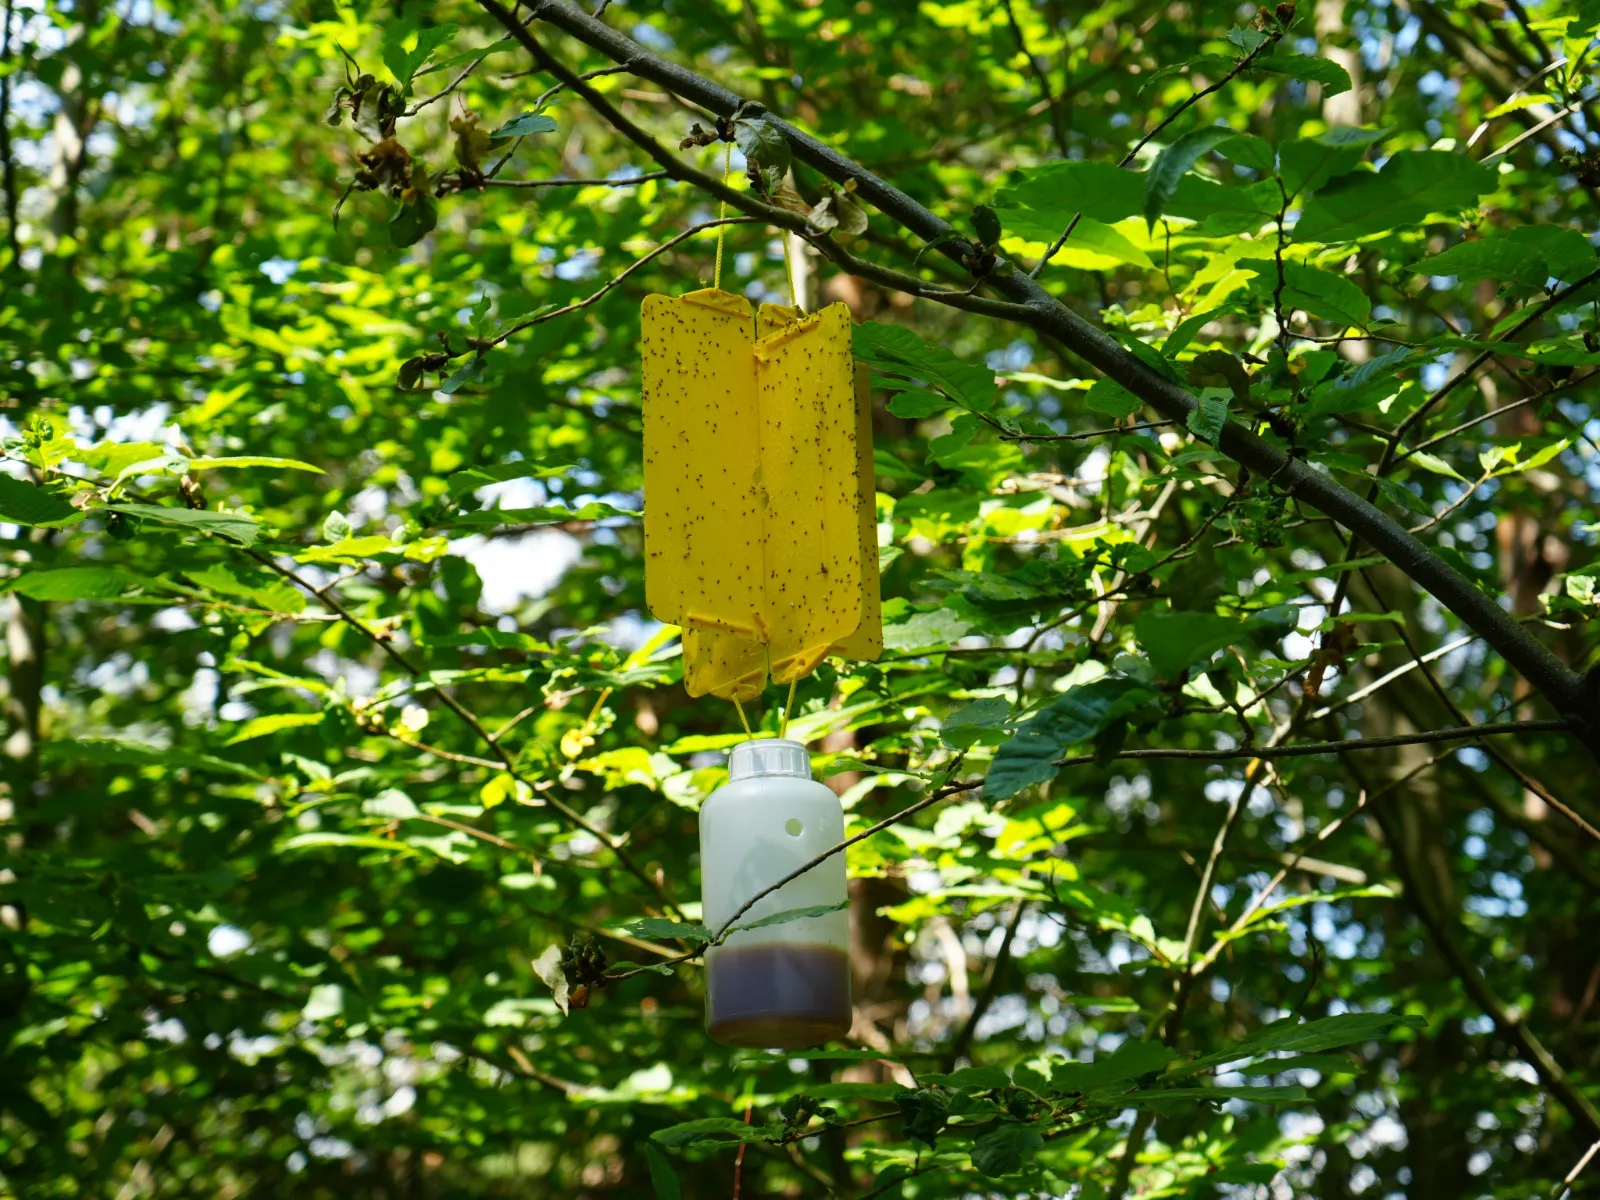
<point>1030,305</point>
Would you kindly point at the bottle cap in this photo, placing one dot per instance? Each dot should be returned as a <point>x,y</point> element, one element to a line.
<point>768,756</point>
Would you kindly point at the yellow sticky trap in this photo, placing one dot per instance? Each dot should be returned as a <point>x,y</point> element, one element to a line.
<point>702,546</point>
<point>760,521</point>
<point>866,643</point>
<point>805,381</point>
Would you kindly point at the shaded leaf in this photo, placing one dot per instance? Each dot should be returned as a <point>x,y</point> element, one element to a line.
<point>1412,186</point>
<point>22,503</point>
<point>1174,162</point>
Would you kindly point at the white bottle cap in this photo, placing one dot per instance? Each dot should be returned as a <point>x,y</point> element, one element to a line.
<point>768,756</point>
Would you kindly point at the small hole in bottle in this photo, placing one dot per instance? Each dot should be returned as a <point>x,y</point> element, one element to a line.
<point>793,827</point>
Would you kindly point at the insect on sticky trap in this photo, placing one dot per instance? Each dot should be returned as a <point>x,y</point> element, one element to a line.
<point>760,525</point>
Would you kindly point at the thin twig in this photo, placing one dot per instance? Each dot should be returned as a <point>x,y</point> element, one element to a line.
<point>1565,1185</point>
<point>507,762</point>
<point>1242,65</point>
<point>621,181</point>
<point>1462,733</point>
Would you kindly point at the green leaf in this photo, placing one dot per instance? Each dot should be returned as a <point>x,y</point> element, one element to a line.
<point>967,724</point>
<point>1335,80</point>
<point>1262,1094</point>
<point>467,373</point>
<point>925,1113</point>
<point>896,351</point>
<point>1527,257</point>
<point>762,143</point>
<point>273,723</point>
<point>21,503</point>
<point>1251,151</point>
<point>403,64</point>
<point>1319,292</point>
<point>1161,181</point>
<point>252,460</point>
<point>1129,1061</point>
<point>788,915</point>
<point>1412,186</point>
<point>707,1129</point>
<point>1306,164</point>
<point>1432,462</point>
<point>414,218</point>
<point>76,583</point>
<point>1099,190</point>
<point>1110,398</point>
<point>1004,1149</point>
<point>1077,715</point>
<point>914,404</point>
<point>1209,417</point>
<point>527,123</point>
<point>117,752</point>
<point>1367,386</point>
<point>971,1079</point>
<point>661,927</point>
<point>986,224</point>
<point>926,631</point>
<point>662,1177</point>
<point>1175,641</point>
<point>1308,1037</point>
<point>236,527</point>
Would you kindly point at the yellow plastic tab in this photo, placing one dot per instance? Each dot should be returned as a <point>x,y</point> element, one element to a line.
<point>723,664</point>
<point>805,381</point>
<point>701,432</point>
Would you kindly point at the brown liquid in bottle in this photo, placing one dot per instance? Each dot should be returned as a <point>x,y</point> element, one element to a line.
<point>778,996</point>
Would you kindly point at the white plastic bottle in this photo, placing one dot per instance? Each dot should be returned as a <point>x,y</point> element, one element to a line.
<point>786,985</point>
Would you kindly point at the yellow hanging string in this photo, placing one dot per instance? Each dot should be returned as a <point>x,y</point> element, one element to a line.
<point>788,268</point>
<point>743,721</point>
<point>783,725</point>
<point>722,215</point>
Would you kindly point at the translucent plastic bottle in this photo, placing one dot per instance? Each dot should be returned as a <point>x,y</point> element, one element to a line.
<point>785,985</point>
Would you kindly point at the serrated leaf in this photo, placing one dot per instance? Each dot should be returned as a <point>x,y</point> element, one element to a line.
<point>1412,186</point>
<point>914,404</point>
<point>897,351</point>
<point>707,1129</point>
<point>1305,164</point>
<point>661,927</point>
<point>21,503</point>
<point>76,583</point>
<point>762,142</point>
<point>1335,80</point>
<point>235,527</point>
<point>1075,716</point>
<point>788,915</point>
<point>1209,417</point>
<point>528,123</point>
<point>1316,290</point>
<point>1161,181</point>
<point>971,1079</point>
<point>1110,398</point>
<point>1129,1061</point>
<point>1005,1149</point>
